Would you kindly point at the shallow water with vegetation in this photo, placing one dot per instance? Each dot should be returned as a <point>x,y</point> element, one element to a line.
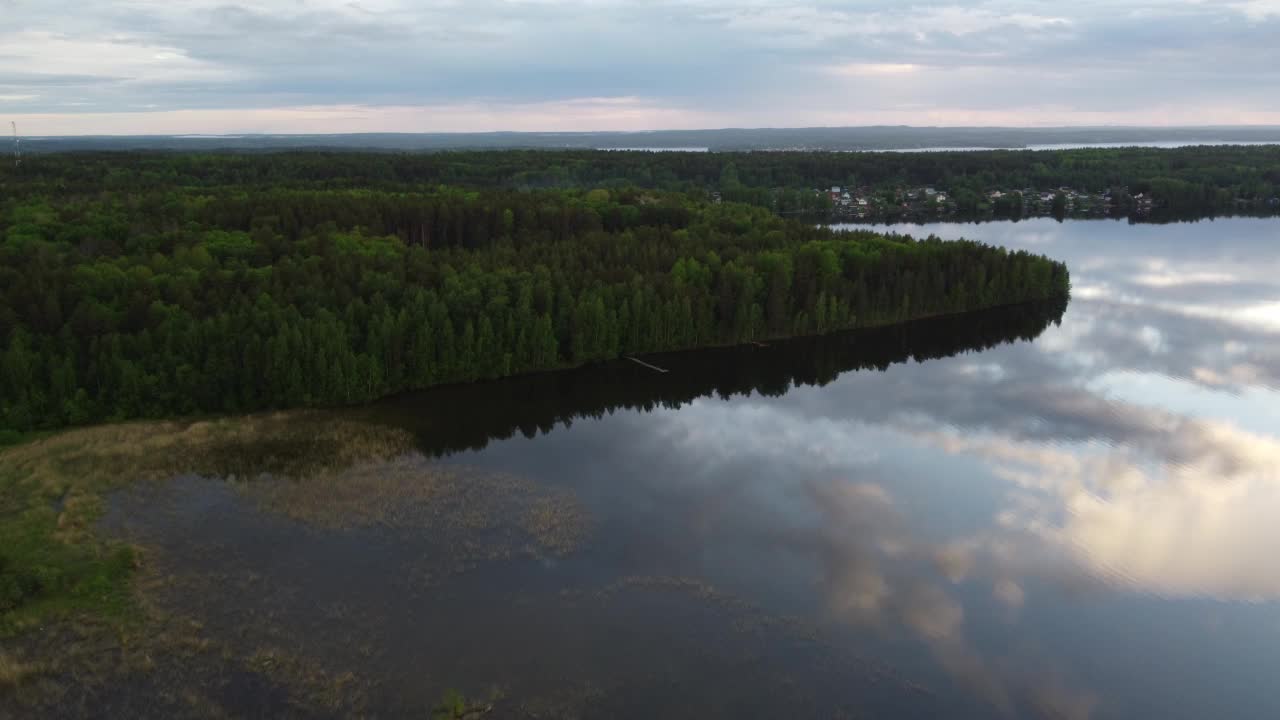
<point>1025,512</point>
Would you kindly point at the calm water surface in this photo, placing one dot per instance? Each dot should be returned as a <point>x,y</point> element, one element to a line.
<point>947,519</point>
<point>1167,144</point>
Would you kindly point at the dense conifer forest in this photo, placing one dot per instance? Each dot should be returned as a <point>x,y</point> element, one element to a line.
<point>1181,182</point>
<point>142,286</point>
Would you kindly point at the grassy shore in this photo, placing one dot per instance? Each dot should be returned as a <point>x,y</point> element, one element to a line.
<point>90,611</point>
<point>52,489</point>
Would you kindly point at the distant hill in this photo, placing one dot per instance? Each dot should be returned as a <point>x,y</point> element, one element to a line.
<point>820,138</point>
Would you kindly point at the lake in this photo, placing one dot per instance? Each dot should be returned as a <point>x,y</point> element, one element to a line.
<point>1164,144</point>
<point>1017,513</point>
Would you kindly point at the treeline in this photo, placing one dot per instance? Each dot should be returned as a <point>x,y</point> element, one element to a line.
<point>1203,179</point>
<point>451,419</point>
<point>145,301</point>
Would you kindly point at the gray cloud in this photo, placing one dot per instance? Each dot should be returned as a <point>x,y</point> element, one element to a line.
<point>781,63</point>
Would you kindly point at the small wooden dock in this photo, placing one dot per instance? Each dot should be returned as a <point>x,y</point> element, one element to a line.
<point>655,368</point>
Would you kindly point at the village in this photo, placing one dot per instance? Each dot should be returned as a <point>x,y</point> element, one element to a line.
<point>872,203</point>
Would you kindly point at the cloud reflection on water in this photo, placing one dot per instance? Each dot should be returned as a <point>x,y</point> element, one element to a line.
<point>820,495</point>
<point>1101,478</point>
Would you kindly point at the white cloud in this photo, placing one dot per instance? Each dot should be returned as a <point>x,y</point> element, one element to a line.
<point>1258,10</point>
<point>104,59</point>
<point>967,21</point>
<point>1172,278</point>
<point>1236,375</point>
<point>1152,338</point>
<point>812,25</point>
<point>856,69</point>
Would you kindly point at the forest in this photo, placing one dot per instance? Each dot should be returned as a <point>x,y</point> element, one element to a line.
<point>1187,181</point>
<point>159,285</point>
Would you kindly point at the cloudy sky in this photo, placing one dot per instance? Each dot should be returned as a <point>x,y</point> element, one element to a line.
<point>218,66</point>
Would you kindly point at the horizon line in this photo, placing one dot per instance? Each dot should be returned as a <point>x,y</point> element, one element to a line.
<point>1021,128</point>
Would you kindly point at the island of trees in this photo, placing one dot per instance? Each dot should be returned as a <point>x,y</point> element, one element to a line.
<point>143,286</point>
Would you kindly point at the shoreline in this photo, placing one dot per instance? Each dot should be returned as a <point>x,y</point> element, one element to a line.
<point>36,435</point>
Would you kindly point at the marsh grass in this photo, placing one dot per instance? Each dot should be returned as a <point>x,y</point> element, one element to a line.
<point>14,672</point>
<point>456,706</point>
<point>480,515</point>
<point>51,495</point>
<point>50,564</point>
<point>169,663</point>
<point>85,616</point>
<point>74,622</point>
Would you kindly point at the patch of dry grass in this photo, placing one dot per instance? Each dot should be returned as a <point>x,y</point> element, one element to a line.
<point>293,444</point>
<point>52,488</point>
<point>479,514</point>
<point>15,672</point>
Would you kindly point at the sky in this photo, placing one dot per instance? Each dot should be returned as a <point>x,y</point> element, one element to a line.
<point>71,67</point>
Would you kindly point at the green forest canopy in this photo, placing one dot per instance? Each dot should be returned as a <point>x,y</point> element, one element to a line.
<point>131,296</point>
<point>1186,180</point>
